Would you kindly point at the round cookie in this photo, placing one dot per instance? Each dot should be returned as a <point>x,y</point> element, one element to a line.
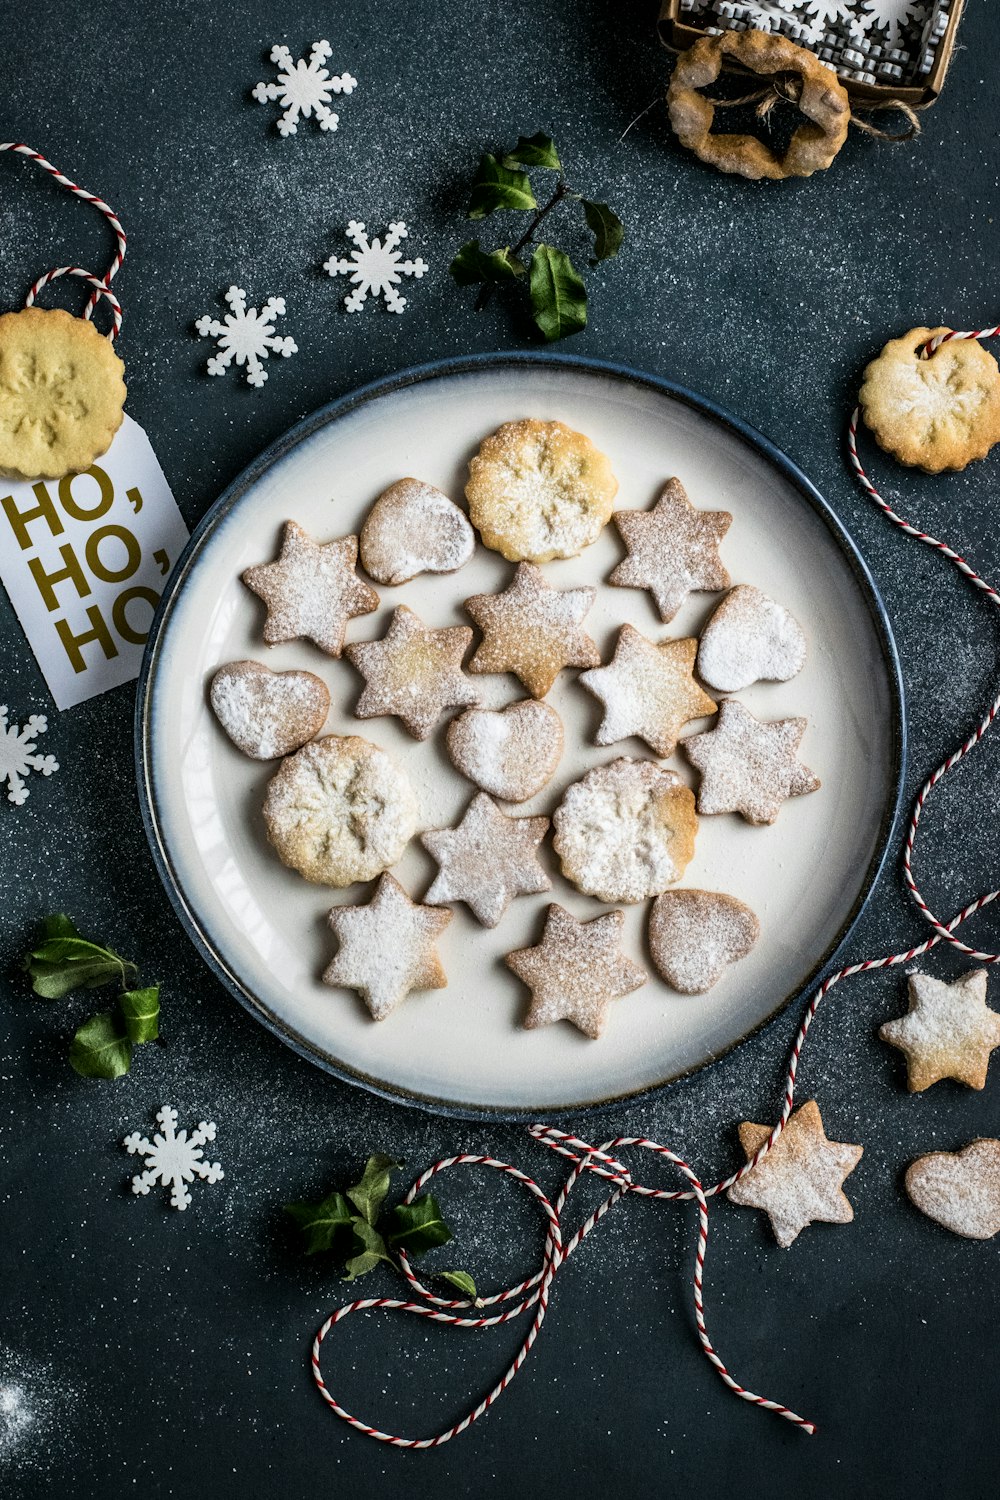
<point>413,528</point>
<point>61,394</point>
<point>340,810</point>
<point>268,714</point>
<point>539,490</point>
<point>510,752</point>
<point>933,413</point>
<point>625,831</point>
<point>693,935</point>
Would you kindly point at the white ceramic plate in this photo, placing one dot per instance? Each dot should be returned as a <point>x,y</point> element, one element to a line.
<point>462,1049</point>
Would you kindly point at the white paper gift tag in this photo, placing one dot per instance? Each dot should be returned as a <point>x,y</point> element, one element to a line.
<point>84,560</point>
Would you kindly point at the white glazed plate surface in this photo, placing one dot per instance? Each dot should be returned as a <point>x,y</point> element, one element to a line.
<point>463,1048</point>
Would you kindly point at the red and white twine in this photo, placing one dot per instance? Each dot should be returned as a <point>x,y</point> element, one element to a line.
<point>534,1292</point>
<point>100,285</point>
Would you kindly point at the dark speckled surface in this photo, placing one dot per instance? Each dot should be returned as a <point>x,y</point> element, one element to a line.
<point>165,1354</point>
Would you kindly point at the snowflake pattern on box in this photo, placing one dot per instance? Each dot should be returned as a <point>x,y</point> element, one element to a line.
<point>375,267</point>
<point>18,756</point>
<point>173,1157</point>
<point>246,336</point>
<point>303,89</point>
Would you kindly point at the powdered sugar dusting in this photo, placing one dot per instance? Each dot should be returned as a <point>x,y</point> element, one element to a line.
<point>413,528</point>
<point>268,714</point>
<point>693,935</point>
<point>959,1190</point>
<point>750,638</point>
<point>511,752</point>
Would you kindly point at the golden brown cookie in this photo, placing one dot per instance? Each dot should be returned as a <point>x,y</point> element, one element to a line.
<point>61,394</point>
<point>487,860</point>
<point>673,549</point>
<point>339,810</point>
<point>801,1178</point>
<point>413,672</point>
<point>387,948</point>
<point>533,630</point>
<point>821,98</point>
<point>625,831</point>
<point>509,752</point>
<point>311,590</point>
<point>413,528</point>
<point>694,935</point>
<point>948,1032</point>
<point>959,1190</point>
<point>648,690</point>
<point>576,970</point>
<point>539,490</point>
<point>748,766</point>
<point>935,413</point>
<point>268,714</point>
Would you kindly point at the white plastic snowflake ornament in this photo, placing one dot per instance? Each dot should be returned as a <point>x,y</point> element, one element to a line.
<point>888,15</point>
<point>375,268</point>
<point>173,1157</point>
<point>18,757</point>
<point>246,336</point>
<point>304,88</point>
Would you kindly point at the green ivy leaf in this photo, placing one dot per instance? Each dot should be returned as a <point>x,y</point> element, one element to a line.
<point>558,296</point>
<point>371,1253</point>
<point>463,1281</point>
<point>497,187</point>
<point>141,1010</point>
<point>472,265</point>
<point>64,961</point>
<point>606,227</point>
<point>57,924</point>
<point>101,1048</point>
<point>534,151</point>
<point>368,1195</point>
<point>418,1226</point>
<point>327,1225</point>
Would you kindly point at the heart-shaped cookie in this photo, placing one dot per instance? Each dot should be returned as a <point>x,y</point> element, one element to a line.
<point>693,935</point>
<point>268,714</point>
<point>413,528</point>
<point>510,752</point>
<point>960,1190</point>
<point>750,638</point>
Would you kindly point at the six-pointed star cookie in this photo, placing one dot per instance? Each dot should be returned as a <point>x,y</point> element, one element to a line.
<point>948,1032</point>
<point>312,590</point>
<point>800,1179</point>
<point>748,766</point>
<point>672,549</point>
<point>648,690</point>
<point>533,630</point>
<point>413,672</point>
<point>487,860</point>
<point>387,948</point>
<point>576,970</point>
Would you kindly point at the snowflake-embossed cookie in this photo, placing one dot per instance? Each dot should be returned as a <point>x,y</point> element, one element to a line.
<point>576,970</point>
<point>413,528</point>
<point>268,714</point>
<point>748,766</point>
<point>647,690</point>
<point>533,630</point>
<point>539,490</point>
<point>694,935</point>
<point>934,413</point>
<point>413,672</point>
<point>487,860</point>
<point>387,948</point>
<point>339,810</point>
<point>509,752</point>
<point>625,831</point>
<point>311,590</point>
<point>750,638</point>
<point>61,394</point>
<point>673,549</point>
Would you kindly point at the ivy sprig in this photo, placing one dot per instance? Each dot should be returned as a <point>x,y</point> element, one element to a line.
<point>352,1227</point>
<point>556,292</point>
<point>64,961</point>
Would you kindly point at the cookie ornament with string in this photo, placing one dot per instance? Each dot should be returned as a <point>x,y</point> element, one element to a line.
<point>933,400</point>
<point>62,391</point>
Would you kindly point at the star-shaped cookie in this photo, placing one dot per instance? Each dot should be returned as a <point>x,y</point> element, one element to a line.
<point>647,690</point>
<point>800,1179</point>
<point>948,1032</point>
<point>312,590</point>
<point>487,860</point>
<point>533,630</point>
<point>576,970</point>
<point>387,948</point>
<point>413,672</point>
<point>672,549</point>
<point>748,766</point>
